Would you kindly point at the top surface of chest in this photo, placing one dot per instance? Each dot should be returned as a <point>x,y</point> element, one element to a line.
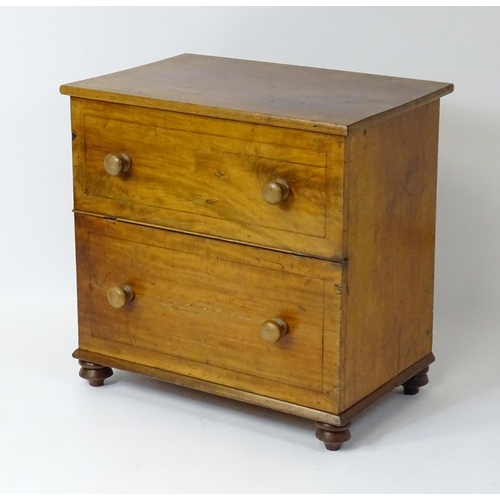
<point>293,96</point>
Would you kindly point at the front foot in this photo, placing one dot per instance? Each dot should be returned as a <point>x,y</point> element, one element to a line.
<point>95,374</point>
<point>412,386</point>
<point>333,436</point>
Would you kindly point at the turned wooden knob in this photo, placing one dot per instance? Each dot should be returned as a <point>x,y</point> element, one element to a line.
<point>116,163</point>
<point>275,191</point>
<point>273,329</point>
<point>118,296</point>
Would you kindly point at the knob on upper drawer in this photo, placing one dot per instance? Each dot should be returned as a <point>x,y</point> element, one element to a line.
<point>116,163</point>
<point>118,296</point>
<point>275,191</point>
<point>273,329</point>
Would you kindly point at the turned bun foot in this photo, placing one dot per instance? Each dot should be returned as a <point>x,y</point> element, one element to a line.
<point>333,436</point>
<point>412,386</point>
<point>95,374</point>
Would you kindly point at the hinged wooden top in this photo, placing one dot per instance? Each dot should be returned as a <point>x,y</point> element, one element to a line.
<point>276,94</point>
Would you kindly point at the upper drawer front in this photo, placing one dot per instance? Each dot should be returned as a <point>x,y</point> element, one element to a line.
<point>206,176</point>
<point>218,177</point>
<point>199,305</point>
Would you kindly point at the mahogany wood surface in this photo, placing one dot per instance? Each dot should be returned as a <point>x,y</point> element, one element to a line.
<point>365,403</point>
<point>199,305</point>
<point>205,176</point>
<point>259,231</point>
<point>257,399</point>
<point>277,94</point>
<point>389,225</point>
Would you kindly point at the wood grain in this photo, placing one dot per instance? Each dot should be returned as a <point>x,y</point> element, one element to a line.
<point>199,305</point>
<point>191,176</point>
<point>389,242</point>
<point>216,177</point>
<point>257,399</point>
<point>195,260</point>
<point>281,95</point>
<point>211,387</point>
<point>365,403</point>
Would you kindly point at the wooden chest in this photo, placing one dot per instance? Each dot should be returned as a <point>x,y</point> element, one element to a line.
<point>258,231</point>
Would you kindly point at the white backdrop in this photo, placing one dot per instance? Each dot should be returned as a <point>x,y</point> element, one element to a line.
<point>60,436</point>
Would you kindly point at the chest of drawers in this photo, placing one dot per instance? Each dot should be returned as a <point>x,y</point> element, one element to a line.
<point>258,231</point>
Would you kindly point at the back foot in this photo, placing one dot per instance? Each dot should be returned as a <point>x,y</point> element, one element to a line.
<point>412,386</point>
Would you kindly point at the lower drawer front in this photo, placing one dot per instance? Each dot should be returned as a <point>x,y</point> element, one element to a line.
<point>198,308</point>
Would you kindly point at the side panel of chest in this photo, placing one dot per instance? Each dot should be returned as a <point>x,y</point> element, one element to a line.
<point>391,176</point>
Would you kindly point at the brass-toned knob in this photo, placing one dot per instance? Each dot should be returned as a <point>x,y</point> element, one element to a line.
<point>275,191</point>
<point>273,329</point>
<point>118,296</point>
<point>116,163</point>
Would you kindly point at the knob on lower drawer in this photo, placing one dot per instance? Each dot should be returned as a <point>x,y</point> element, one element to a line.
<point>275,191</point>
<point>118,296</point>
<point>273,329</point>
<point>116,163</point>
